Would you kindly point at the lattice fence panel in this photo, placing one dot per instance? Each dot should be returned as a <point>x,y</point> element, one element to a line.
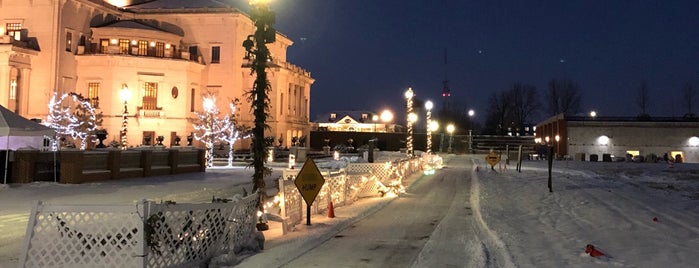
<point>84,236</point>
<point>187,234</point>
<point>293,203</point>
<point>242,221</point>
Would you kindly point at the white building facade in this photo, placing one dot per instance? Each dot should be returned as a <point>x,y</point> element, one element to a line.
<point>167,53</point>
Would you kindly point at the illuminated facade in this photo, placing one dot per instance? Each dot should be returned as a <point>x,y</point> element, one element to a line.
<point>167,53</point>
<point>354,121</point>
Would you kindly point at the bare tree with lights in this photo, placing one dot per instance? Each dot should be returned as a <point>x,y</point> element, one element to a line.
<point>231,132</point>
<point>208,127</point>
<point>81,124</point>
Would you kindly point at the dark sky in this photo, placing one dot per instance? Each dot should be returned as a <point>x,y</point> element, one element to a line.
<point>365,53</point>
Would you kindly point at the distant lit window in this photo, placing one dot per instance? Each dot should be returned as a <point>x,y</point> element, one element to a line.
<point>160,49</point>
<point>104,46</point>
<point>142,48</point>
<point>365,116</point>
<point>215,54</point>
<point>14,30</point>
<point>124,46</point>
<point>13,89</point>
<point>93,93</point>
<point>69,41</point>
<point>150,95</point>
<point>333,115</point>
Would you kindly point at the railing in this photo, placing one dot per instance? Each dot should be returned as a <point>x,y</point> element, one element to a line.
<point>142,235</point>
<point>342,186</point>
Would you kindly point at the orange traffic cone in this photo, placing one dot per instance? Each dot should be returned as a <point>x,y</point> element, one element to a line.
<point>590,249</point>
<point>331,210</point>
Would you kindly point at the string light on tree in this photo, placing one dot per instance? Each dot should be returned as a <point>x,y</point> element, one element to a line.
<point>409,105</point>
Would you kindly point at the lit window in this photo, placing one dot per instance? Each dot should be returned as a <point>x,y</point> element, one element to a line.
<point>124,46</point>
<point>333,115</point>
<point>142,48</point>
<point>13,89</point>
<point>160,49</point>
<point>14,30</point>
<point>215,54</point>
<point>150,96</point>
<point>93,92</point>
<point>69,41</point>
<point>104,46</point>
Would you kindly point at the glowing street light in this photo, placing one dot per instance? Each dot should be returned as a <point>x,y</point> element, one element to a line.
<point>450,129</point>
<point>471,113</point>
<point>386,117</point>
<point>593,114</point>
<point>428,118</point>
<point>125,95</point>
<point>409,105</point>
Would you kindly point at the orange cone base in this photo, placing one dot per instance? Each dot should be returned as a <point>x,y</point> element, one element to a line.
<point>590,249</point>
<point>331,210</point>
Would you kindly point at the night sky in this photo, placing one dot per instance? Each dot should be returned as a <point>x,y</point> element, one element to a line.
<point>365,53</point>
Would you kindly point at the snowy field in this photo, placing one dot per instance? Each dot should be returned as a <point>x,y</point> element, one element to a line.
<point>638,215</point>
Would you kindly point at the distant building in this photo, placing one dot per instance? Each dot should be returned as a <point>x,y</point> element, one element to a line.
<point>167,53</point>
<point>353,121</point>
<point>615,137</point>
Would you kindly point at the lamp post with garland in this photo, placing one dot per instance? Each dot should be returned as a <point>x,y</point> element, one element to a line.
<point>256,48</point>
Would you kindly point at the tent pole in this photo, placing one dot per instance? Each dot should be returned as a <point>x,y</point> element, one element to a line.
<point>7,157</point>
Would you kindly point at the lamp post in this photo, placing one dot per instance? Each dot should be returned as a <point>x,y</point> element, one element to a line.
<point>256,45</point>
<point>124,94</point>
<point>557,138</point>
<point>374,118</point>
<point>409,105</point>
<point>386,117</point>
<point>428,118</point>
<point>450,129</point>
<point>471,113</point>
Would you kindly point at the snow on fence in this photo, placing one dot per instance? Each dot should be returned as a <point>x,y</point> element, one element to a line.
<point>143,235</point>
<point>344,186</point>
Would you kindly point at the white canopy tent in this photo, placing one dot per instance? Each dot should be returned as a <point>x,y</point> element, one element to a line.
<point>18,132</point>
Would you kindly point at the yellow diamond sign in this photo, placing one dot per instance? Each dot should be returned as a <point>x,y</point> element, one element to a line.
<point>309,181</point>
<point>492,158</point>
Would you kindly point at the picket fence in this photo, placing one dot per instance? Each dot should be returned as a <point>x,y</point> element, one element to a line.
<point>147,234</point>
<point>343,186</point>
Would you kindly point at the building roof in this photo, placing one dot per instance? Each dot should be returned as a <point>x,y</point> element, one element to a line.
<point>354,114</point>
<point>182,5</point>
<point>135,24</point>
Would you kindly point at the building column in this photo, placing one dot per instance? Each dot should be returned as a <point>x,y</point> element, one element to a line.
<point>23,94</point>
<point>4,85</point>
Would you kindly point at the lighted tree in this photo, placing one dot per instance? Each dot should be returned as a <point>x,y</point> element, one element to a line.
<point>208,127</point>
<point>80,124</point>
<point>231,131</point>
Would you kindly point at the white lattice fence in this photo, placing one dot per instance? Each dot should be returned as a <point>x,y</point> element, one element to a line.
<point>84,236</point>
<point>172,235</point>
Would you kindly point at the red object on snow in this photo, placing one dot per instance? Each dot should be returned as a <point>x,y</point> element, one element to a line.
<point>331,210</point>
<point>655,218</point>
<point>590,249</point>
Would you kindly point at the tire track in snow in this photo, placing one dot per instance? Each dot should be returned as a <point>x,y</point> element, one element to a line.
<point>497,246</point>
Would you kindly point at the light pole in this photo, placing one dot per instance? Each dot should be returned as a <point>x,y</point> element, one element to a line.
<point>374,118</point>
<point>470,135</point>
<point>125,94</point>
<point>409,105</point>
<point>256,44</point>
<point>428,118</point>
<point>450,129</point>
<point>386,117</point>
<point>557,138</point>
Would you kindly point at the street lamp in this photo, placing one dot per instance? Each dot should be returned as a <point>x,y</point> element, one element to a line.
<point>375,118</point>
<point>125,94</point>
<point>471,113</point>
<point>256,45</point>
<point>428,118</point>
<point>409,105</point>
<point>557,138</point>
<point>593,114</point>
<point>386,117</point>
<point>450,129</point>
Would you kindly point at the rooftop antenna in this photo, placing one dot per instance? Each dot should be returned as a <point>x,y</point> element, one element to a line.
<point>446,92</point>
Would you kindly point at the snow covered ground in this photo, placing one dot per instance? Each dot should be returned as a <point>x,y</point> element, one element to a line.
<point>637,214</point>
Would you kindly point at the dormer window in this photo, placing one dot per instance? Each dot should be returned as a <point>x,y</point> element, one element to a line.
<point>333,115</point>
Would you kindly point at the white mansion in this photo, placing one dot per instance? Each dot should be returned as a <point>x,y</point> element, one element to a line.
<point>167,53</point>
